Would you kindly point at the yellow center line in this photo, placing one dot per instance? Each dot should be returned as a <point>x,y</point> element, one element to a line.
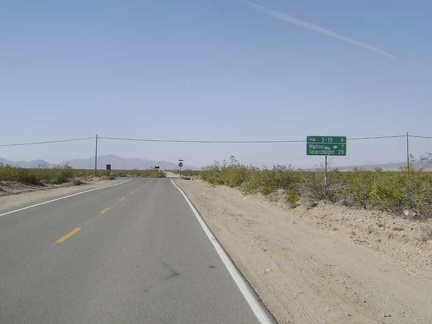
<point>121,199</point>
<point>64,238</point>
<point>105,210</point>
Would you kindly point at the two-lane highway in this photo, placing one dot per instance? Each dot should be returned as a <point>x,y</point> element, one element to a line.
<point>130,253</point>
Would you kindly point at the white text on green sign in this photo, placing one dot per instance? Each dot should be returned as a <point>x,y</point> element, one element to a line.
<point>326,145</point>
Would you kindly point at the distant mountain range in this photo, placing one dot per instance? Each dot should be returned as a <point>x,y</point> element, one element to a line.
<point>117,163</point>
<point>390,166</point>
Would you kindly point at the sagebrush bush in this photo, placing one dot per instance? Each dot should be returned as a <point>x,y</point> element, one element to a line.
<point>62,174</point>
<point>425,232</point>
<point>187,173</point>
<point>392,191</point>
<point>266,190</point>
<point>211,174</point>
<point>292,198</point>
<point>8,173</point>
<point>77,182</point>
<point>313,185</point>
<point>150,173</point>
<point>358,187</point>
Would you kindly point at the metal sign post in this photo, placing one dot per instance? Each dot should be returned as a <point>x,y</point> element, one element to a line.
<point>326,145</point>
<point>180,164</point>
<point>325,178</point>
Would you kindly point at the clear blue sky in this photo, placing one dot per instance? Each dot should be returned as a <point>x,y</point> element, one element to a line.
<point>215,70</point>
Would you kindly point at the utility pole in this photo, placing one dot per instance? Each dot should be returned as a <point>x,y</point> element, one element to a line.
<point>96,155</point>
<point>408,183</point>
<point>408,154</point>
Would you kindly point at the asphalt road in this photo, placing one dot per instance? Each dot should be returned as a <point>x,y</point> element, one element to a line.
<point>132,253</point>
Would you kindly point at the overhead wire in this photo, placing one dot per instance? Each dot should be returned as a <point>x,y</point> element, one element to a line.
<point>425,137</point>
<point>201,141</point>
<point>48,142</point>
<point>236,142</point>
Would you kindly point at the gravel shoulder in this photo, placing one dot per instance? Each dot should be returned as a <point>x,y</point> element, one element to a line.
<point>14,195</point>
<point>327,264</point>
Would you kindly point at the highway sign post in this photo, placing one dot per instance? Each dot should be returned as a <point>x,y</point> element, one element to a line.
<point>326,146</point>
<point>180,164</point>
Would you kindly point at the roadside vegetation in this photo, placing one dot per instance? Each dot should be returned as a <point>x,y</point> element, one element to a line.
<point>41,176</point>
<point>65,174</point>
<point>151,173</point>
<point>187,173</point>
<point>393,191</point>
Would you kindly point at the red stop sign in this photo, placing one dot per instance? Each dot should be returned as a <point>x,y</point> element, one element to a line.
<point>180,164</point>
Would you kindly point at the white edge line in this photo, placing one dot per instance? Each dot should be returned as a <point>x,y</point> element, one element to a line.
<point>256,307</point>
<point>50,201</point>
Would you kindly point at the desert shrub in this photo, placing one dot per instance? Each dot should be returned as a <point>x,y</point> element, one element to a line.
<point>24,176</point>
<point>211,174</point>
<point>356,190</point>
<point>62,175</point>
<point>149,173</point>
<point>418,191</point>
<point>292,198</point>
<point>424,232</point>
<point>266,190</point>
<point>77,182</point>
<point>386,197</point>
<point>281,177</point>
<point>275,196</point>
<point>39,176</point>
<point>9,173</point>
<point>233,174</point>
<point>392,191</point>
<point>187,173</point>
<point>104,173</point>
<point>253,182</point>
<point>313,185</point>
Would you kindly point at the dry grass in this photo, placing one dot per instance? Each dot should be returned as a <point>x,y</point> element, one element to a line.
<point>425,232</point>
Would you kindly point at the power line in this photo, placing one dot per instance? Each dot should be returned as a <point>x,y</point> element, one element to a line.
<point>201,141</point>
<point>235,142</point>
<point>416,136</point>
<point>48,142</point>
<point>374,137</point>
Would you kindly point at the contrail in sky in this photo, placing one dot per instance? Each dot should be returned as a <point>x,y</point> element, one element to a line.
<point>315,28</point>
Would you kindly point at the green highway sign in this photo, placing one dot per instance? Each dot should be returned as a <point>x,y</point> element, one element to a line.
<point>326,145</point>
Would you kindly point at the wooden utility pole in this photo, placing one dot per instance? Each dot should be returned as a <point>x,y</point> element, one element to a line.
<point>96,155</point>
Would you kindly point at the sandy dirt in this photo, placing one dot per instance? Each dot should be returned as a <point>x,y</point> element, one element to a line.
<point>327,264</point>
<point>15,195</point>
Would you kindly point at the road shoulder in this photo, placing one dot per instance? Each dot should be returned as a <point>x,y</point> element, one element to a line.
<point>40,194</point>
<point>312,267</point>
